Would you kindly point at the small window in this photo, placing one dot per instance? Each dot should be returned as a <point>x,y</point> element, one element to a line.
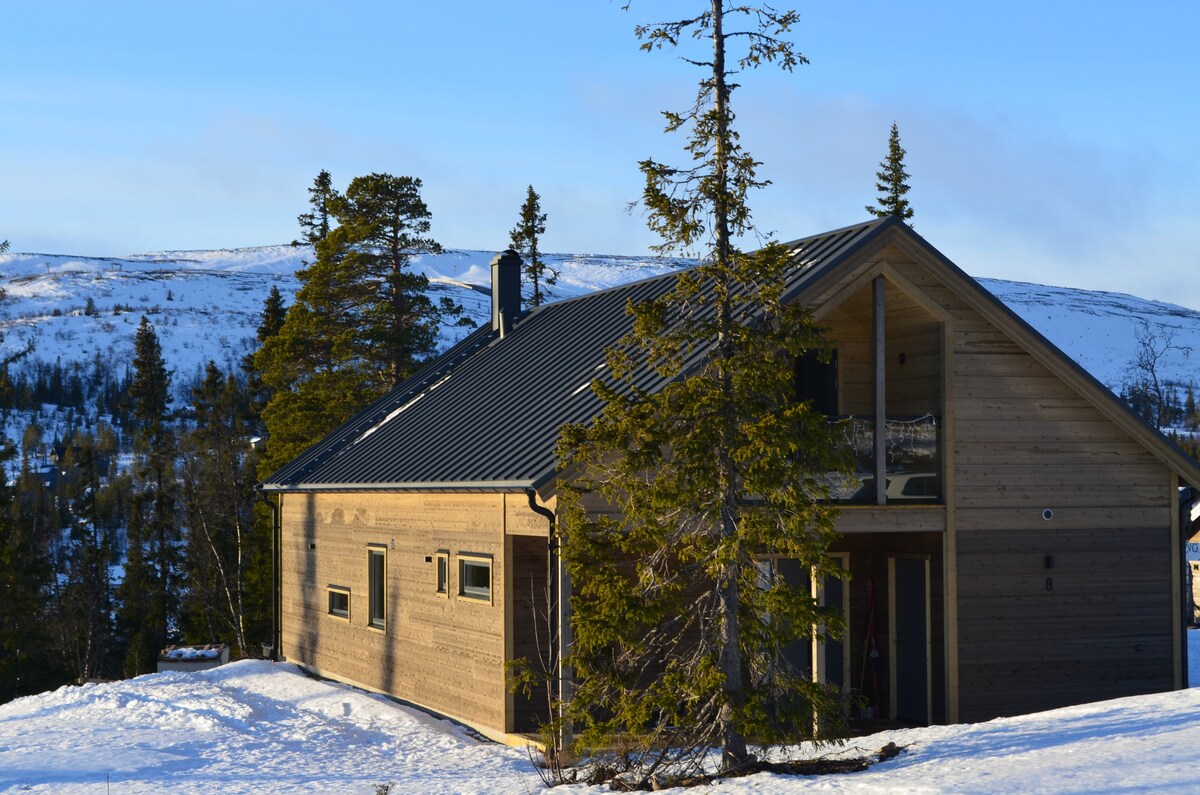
<point>339,601</point>
<point>443,572</point>
<point>475,577</point>
<point>376,578</point>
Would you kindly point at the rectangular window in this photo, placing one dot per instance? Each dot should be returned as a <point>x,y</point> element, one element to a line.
<point>376,580</point>
<point>443,572</point>
<point>339,601</point>
<point>475,576</point>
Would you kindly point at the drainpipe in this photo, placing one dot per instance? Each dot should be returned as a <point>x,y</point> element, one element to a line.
<point>276,601</point>
<point>559,607</point>
<point>1187,506</point>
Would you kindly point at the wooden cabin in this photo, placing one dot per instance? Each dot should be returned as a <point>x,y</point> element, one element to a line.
<point>1024,553</point>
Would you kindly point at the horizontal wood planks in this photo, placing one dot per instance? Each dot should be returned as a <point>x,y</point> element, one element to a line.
<point>1074,608</point>
<point>444,651</point>
<point>1056,611</point>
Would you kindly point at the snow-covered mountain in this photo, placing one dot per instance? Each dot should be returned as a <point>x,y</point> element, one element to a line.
<point>206,305</point>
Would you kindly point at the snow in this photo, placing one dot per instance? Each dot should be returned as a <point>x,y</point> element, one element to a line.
<point>261,727</point>
<point>192,653</point>
<point>207,305</point>
<point>258,727</point>
<point>246,727</point>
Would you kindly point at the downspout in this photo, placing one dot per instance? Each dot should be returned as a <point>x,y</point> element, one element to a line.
<point>1187,505</point>
<point>276,601</point>
<point>558,608</point>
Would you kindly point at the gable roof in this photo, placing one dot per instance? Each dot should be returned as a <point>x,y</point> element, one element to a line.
<point>486,414</point>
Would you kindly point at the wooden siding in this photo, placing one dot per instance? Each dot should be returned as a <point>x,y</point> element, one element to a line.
<point>441,651</point>
<point>914,387</point>
<point>531,631</point>
<point>1019,439</point>
<point>1097,624</point>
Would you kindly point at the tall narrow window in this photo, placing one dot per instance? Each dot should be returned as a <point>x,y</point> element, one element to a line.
<point>443,572</point>
<point>376,579</point>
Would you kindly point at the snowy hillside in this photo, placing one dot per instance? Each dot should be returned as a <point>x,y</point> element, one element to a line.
<point>264,728</point>
<point>206,304</point>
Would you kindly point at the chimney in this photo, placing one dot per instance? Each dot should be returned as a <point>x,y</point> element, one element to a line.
<point>506,290</point>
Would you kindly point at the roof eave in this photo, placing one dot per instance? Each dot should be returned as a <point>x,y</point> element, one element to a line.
<point>441,486</point>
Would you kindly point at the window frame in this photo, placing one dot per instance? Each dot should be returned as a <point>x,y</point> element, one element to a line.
<point>441,573</point>
<point>338,591</point>
<point>474,593</point>
<point>377,586</point>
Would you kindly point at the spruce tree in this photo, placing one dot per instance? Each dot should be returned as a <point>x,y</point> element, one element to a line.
<point>524,237</point>
<point>679,633</point>
<point>29,526</point>
<point>273,315</point>
<point>149,592</point>
<point>314,224</point>
<point>892,182</point>
<point>270,322</point>
<point>84,598</point>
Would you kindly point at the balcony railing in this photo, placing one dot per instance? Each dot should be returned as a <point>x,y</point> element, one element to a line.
<point>912,458</point>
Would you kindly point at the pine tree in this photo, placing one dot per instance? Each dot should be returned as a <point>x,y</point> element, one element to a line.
<point>314,224</point>
<point>892,182</point>
<point>704,478</point>
<point>382,226</point>
<point>524,238</point>
<point>361,322</point>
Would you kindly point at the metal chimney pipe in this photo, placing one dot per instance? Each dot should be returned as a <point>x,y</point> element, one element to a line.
<point>506,290</point>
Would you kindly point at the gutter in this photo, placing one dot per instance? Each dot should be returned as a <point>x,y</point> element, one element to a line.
<point>490,486</point>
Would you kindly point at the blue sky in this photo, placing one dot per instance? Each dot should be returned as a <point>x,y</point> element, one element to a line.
<point>1053,141</point>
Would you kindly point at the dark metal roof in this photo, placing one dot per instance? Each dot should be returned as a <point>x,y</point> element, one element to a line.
<point>487,414</point>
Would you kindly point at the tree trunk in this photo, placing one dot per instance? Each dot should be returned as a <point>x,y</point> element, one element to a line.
<point>733,743</point>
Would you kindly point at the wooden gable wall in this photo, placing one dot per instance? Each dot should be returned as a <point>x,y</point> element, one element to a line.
<point>1059,530</point>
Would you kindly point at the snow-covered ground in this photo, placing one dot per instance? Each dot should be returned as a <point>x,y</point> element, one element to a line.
<point>258,727</point>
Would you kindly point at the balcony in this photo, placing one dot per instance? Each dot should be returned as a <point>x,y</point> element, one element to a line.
<point>912,459</point>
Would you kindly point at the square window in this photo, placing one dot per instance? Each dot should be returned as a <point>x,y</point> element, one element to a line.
<point>443,572</point>
<point>475,577</point>
<point>339,602</point>
<point>376,579</point>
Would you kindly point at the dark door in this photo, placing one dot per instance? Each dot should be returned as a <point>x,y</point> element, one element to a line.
<point>798,653</point>
<point>910,608</point>
<point>835,659</point>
